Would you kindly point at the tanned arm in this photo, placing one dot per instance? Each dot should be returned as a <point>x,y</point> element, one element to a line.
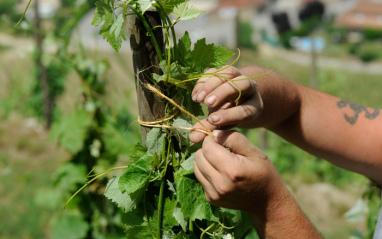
<point>344,133</point>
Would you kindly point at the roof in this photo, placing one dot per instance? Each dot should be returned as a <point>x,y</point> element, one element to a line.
<point>241,3</point>
<point>365,15</point>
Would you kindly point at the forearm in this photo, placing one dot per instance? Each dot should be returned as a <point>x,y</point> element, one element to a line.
<point>341,132</point>
<point>326,126</point>
<point>283,220</point>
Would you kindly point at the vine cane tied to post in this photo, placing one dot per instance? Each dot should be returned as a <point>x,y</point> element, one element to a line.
<point>155,123</point>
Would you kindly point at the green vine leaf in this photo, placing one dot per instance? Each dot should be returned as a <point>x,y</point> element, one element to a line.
<point>138,232</point>
<point>112,28</point>
<point>134,218</point>
<point>192,107</point>
<point>137,176</point>
<point>178,215</point>
<point>184,49</point>
<point>154,141</point>
<point>136,152</point>
<point>176,74</point>
<point>182,134</point>
<point>206,56</point>
<point>186,12</point>
<point>145,5</point>
<point>169,5</point>
<point>123,200</point>
<point>190,195</point>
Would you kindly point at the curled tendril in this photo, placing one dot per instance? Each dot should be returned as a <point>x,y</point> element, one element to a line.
<point>94,177</point>
<point>22,17</point>
<point>197,77</point>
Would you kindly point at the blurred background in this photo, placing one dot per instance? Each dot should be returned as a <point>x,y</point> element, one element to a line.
<point>68,106</point>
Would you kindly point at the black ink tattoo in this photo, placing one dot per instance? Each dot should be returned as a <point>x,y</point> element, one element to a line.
<point>358,109</point>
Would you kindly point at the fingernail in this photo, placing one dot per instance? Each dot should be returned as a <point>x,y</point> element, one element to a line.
<point>201,96</point>
<point>194,97</point>
<point>211,100</point>
<point>214,118</point>
<point>216,133</point>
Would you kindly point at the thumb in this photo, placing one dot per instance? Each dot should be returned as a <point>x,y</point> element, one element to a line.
<point>236,142</point>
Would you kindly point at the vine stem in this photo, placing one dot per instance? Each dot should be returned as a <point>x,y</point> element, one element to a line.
<point>161,190</point>
<point>151,33</point>
<point>161,208</point>
<point>170,25</point>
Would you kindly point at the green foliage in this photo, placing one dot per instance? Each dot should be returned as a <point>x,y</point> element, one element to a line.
<point>127,202</point>
<point>245,35</point>
<point>371,34</point>
<point>373,197</point>
<point>159,192</point>
<point>169,5</point>
<point>185,12</point>
<point>206,56</point>
<point>8,9</point>
<point>111,29</point>
<point>191,197</point>
<point>368,54</point>
<point>56,68</point>
<point>137,176</point>
<point>92,136</point>
<point>72,139</point>
<point>70,227</point>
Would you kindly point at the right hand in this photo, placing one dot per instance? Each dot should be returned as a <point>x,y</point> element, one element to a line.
<point>220,94</point>
<point>241,178</point>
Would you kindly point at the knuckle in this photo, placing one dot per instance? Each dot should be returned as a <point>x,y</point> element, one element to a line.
<point>248,113</point>
<point>223,190</point>
<point>231,72</point>
<point>211,70</point>
<point>214,198</point>
<point>198,156</point>
<point>233,175</point>
<point>205,148</point>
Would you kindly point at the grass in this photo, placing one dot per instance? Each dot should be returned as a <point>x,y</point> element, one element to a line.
<point>27,163</point>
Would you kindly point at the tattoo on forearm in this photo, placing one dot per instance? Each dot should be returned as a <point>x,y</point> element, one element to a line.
<point>358,109</point>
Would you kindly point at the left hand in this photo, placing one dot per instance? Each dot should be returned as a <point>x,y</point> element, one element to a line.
<point>219,94</point>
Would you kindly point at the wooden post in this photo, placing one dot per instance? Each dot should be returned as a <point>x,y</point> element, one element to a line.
<point>146,62</point>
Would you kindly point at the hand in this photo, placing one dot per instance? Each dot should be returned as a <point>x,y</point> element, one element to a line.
<point>220,94</point>
<point>243,179</point>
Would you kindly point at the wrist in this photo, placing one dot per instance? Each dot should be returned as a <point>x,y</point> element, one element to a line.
<point>281,97</point>
<point>283,218</point>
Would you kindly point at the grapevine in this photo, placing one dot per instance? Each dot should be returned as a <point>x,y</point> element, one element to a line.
<point>158,191</point>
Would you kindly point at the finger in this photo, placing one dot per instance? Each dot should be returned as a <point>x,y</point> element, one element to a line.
<point>246,112</point>
<point>208,171</point>
<point>215,81</point>
<point>217,155</point>
<point>200,82</point>
<point>237,143</point>
<point>196,136</point>
<point>231,91</point>
<point>224,106</point>
<point>209,190</point>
